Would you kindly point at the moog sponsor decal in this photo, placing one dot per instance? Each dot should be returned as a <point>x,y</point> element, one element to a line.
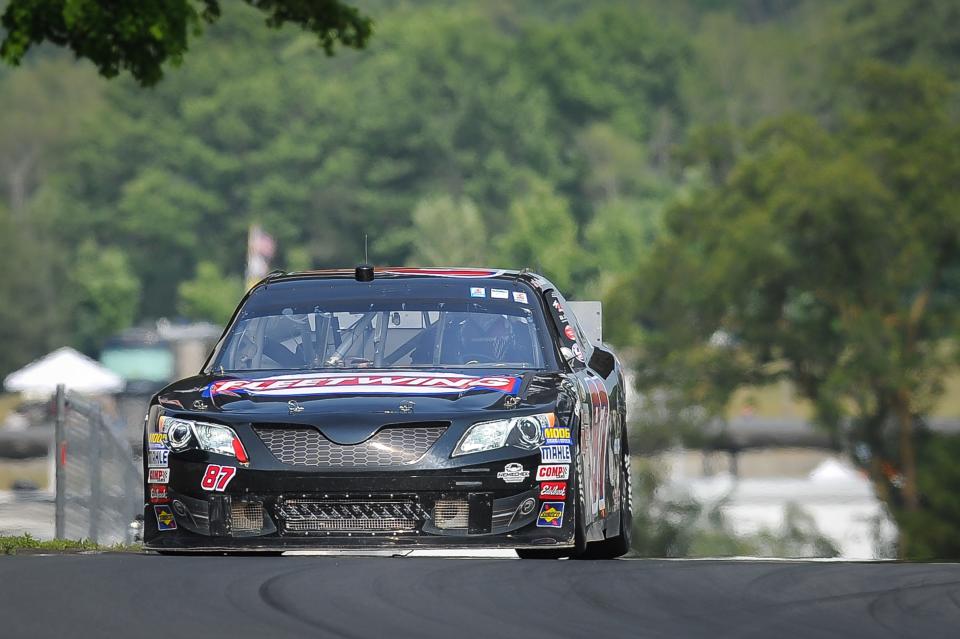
<point>401,383</point>
<point>557,435</point>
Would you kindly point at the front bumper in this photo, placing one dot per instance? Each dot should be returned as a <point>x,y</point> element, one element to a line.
<point>463,507</point>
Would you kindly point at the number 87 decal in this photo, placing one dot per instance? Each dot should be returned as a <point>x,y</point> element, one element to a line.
<point>217,477</point>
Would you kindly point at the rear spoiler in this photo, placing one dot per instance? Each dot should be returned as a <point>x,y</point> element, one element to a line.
<point>590,317</point>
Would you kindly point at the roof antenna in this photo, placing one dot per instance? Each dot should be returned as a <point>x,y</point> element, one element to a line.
<point>364,272</point>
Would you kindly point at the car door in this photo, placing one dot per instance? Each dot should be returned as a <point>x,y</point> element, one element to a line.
<point>596,417</point>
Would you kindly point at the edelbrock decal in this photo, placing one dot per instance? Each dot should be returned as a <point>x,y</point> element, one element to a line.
<point>553,490</point>
<point>400,383</point>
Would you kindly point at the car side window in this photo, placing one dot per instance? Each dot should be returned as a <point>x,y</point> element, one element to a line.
<point>566,326</point>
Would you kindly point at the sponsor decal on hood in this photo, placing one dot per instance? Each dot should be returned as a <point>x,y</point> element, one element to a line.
<point>387,383</point>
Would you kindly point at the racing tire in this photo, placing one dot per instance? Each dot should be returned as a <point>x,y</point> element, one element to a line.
<point>580,528</point>
<point>619,545</point>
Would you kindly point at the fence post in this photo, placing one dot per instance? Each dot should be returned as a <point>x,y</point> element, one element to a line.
<point>96,424</point>
<point>60,463</point>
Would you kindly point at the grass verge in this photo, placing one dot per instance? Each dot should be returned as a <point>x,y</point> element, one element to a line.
<point>27,543</point>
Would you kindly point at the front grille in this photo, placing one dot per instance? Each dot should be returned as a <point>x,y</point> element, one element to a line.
<point>451,514</point>
<point>306,515</point>
<point>246,516</point>
<point>390,446</point>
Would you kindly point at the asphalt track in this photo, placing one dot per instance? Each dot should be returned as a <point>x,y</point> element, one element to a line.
<point>128,595</point>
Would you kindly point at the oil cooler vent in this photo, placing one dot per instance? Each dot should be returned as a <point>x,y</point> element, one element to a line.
<point>246,516</point>
<point>451,514</point>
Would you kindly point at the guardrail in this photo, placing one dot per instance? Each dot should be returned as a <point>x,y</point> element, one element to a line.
<point>98,481</point>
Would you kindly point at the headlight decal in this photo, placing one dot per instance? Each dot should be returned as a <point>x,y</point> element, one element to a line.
<point>526,432</point>
<point>182,434</point>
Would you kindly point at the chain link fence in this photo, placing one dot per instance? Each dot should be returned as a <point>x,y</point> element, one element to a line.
<point>98,476</point>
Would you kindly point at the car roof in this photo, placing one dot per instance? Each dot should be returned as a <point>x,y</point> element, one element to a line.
<point>396,272</point>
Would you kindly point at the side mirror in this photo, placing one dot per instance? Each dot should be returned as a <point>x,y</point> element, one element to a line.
<point>602,362</point>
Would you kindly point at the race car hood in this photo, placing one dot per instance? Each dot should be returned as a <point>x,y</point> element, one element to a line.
<point>303,397</point>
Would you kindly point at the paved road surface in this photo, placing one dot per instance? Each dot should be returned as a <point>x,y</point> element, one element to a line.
<point>117,595</point>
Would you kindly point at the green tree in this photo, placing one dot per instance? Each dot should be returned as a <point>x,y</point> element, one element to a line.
<point>106,294</point>
<point>444,231</point>
<point>142,36</point>
<point>210,295</point>
<point>540,233</point>
<point>827,258</point>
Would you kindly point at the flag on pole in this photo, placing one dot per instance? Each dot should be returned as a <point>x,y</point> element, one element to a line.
<point>260,250</point>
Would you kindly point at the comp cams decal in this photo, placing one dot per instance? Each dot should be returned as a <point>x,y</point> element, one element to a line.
<point>158,476</point>
<point>513,473</point>
<point>165,519</point>
<point>551,514</point>
<point>404,383</point>
<point>547,472</point>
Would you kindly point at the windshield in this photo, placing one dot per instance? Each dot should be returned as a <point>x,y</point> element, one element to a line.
<point>405,323</point>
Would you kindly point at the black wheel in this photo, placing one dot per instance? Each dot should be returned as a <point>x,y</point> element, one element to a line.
<point>620,545</point>
<point>580,527</point>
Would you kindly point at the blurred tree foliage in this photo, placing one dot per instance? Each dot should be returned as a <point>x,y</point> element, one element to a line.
<point>827,256</point>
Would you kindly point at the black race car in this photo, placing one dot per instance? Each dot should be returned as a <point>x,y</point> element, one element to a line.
<point>398,408</point>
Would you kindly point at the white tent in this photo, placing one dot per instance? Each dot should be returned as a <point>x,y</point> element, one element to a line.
<point>64,366</point>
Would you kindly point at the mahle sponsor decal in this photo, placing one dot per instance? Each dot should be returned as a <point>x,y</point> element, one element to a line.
<point>513,473</point>
<point>555,454</point>
<point>157,458</point>
<point>553,490</point>
<point>551,514</point>
<point>547,472</point>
